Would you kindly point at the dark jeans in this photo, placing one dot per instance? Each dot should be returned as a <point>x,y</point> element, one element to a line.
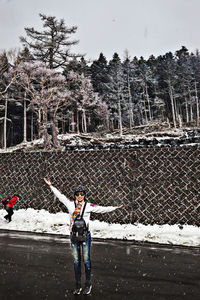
<point>10,213</point>
<point>77,248</point>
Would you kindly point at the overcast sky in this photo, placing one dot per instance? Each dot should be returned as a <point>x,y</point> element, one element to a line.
<point>144,27</point>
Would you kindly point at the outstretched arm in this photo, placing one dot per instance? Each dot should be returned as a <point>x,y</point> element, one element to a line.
<point>58,194</point>
<point>103,209</point>
<point>48,182</point>
<point>120,206</point>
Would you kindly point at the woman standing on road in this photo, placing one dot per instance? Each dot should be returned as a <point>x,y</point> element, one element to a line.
<point>80,237</point>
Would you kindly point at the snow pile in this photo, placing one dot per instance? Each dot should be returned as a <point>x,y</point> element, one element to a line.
<point>22,146</point>
<point>42,221</point>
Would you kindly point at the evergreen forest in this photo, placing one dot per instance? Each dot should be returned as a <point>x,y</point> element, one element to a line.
<point>47,90</point>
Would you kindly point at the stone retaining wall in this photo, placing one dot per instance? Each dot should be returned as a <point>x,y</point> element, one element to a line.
<point>155,185</point>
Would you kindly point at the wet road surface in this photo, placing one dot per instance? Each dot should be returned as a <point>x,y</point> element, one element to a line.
<point>39,266</point>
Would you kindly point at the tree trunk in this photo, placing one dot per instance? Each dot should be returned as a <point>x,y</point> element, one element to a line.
<point>77,122</point>
<point>54,135</point>
<point>39,124</point>
<point>54,131</point>
<point>84,121</point>
<point>130,104</point>
<point>144,103</point>
<point>172,103</point>
<point>112,127</point>
<point>2,137</point>
<point>89,120</point>
<point>197,104</point>
<point>175,107</point>
<point>186,110</point>
<point>5,123</point>
<point>72,122</point>
<point>107,121</point>
<point>25,122</point>
<point>63,125</point>
<point>179,114</point>
<point>141,116</point>
<point>180,121</point>
<point>148,102</point>
<point>191,106</point>
<point>191,113</point>
<point>119,112</point>
<point>47,142</point>
<point>32,131</point>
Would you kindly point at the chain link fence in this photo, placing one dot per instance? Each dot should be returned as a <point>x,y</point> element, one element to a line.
<point>155,185</point>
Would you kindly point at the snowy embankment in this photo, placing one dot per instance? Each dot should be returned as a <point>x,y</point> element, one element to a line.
<point>42,221</point>
<point>139,139</point>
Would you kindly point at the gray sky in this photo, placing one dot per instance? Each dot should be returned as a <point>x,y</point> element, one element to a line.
<point>144,27</point>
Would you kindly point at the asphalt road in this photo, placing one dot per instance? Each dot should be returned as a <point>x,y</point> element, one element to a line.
<point>39,266</point>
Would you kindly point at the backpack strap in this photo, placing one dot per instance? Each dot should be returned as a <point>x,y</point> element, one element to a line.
<point>83,209</point>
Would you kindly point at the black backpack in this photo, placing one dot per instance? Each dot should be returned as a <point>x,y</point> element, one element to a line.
<point>5,201</point>
<point>79,229</point>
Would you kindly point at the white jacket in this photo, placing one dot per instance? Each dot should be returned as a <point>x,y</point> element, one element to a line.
<point>88,209</point>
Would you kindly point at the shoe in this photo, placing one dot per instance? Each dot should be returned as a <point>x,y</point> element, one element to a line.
<point>77,291</point>
<point>87,289</point>
<point>6,217</point>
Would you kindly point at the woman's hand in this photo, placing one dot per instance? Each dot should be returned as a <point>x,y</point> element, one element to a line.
<point>47,182</point>
<point>120,206</point>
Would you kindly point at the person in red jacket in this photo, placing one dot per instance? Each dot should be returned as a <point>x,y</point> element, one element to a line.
<point>8,204</point>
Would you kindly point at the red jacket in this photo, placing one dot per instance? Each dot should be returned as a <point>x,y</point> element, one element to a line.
<point>12,201</point>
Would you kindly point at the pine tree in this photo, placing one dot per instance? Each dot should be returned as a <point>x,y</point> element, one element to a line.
<point>115,88</point>
<point>52,45</point>
<point>167,69</point>
<point>184,85</point>
<point>99,74</point>
<point>195,64</point>
<point>129,69</point>
<point>78,66</point>
<point>25,55</point>
<point>145,80</point>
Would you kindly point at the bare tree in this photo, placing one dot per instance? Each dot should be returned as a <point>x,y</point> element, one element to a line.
<point>6,82</point>
<point>85,101</point>
<point>47,94</point>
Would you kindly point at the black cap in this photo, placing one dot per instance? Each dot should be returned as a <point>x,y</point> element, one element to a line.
<point>79,188</point>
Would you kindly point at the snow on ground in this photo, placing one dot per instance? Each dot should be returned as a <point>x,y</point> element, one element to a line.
<point>106,140</point>
<point>43,221</point>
